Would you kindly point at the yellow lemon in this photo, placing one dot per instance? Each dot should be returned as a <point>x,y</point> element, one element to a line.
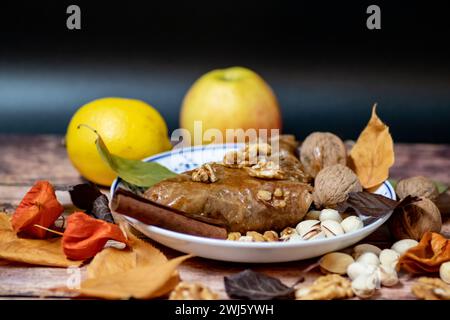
<point>130,128</point>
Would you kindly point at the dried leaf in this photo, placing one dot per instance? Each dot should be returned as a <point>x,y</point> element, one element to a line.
<point>88,197</point>
<point>39,206</point>
<point>145,282</point>
<point>371,204</point>
<point>31,251</point>
<point>139,173</point>
<point>373,153</point>
<point>432,250</point>
<point>85,236</point>
<point>253,285</point>
<point>111,260</point>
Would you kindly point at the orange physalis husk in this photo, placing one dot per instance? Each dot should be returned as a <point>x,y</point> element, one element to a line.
<point>39,206</point>
<point>85,236</point>
<point>432,250</point>
<point>373,153</point>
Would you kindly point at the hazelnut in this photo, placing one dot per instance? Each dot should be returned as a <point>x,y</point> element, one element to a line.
<point>414,220</point>
<point>417,186</point>
<point>320,150</point>
<point>333,184</point>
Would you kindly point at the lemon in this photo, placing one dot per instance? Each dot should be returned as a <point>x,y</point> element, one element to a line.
<point>130,128</point>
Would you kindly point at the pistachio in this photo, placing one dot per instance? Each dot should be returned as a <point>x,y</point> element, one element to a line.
<point>387,275</point>
<point>295,238</point>
<point>389,258</point>
<point>331,228</point>
<point>306,226</point>
<point>256,236</point>
<point>369,258</point>
<point>365,247</point>
<point>364,285</point>
<point>444,272</point>
<point>351,223</point>
<point>270,236</point>
<point>404,245</point>
<point>264,195</point>
<point>317,235</point>
<point>234,236</point>
<point>313,215</point>
<point>330,214</point>
<point>356,269</point>
<point>335,262</point>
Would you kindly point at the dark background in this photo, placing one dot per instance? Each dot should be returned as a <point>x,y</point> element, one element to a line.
<point>325,66</point>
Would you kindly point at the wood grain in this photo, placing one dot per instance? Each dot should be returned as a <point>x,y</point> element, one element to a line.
<point>25,159</point>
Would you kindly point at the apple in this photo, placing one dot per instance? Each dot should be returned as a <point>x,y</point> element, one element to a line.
<point>232,98</point>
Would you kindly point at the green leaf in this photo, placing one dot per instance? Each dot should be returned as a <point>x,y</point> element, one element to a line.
<point>139,173</point>
<point>441,187</point>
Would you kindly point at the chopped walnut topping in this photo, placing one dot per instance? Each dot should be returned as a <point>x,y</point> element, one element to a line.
<point>234,236</point>
<point>264,195</point>
<point>327,287</point>
<point>266,170</point>
<point>278,192</point>
<point>192,291</point>
<point>278,203</point>
<point>234,159</point>
<point>248,156</point>
<point>431,289</point>
<point>270,236</point>
<point>204,174</point>
<point>256,236</point>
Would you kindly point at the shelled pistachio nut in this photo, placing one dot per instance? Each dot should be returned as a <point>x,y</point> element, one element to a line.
<point>369,258</point>
<point>389,258</point>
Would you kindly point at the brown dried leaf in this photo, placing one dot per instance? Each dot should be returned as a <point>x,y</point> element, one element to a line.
<point>432,250</point>
<point>144,282</point>
<point>31,251</point>
<point>373,154</point>
<point>112,260</point>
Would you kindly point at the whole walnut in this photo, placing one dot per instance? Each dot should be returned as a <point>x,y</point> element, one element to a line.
<point>321,150</point>
<point>412,221</point>
<point>417,186</point>
<point>333,184</point>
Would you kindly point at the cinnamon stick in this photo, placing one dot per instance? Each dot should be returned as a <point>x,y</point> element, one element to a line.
<point>152,213</point>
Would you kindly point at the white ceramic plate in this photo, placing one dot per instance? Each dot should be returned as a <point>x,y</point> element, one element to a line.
<point>180,160</point>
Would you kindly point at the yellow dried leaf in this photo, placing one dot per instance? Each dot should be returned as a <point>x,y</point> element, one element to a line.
<point>112,260</point>
<point>31,251</point>
<point>145,282</point>
<point>373,154</point>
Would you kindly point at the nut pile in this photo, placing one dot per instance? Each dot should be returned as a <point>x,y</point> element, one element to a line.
<point>322,224</point>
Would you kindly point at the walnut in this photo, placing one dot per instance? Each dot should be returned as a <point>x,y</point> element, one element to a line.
<point>333,184</point>
<point>417,186</point>
<point>270,236</point>
<point>250,155</point>
<point>431,289</point>
<point>266,170</point>
<point>234,236</point>
<point>234,159</point>
<point>256,236</point>
<point>321,150</point>
<point>412,221</point>
<point>192,291</point>
<point>287,233</point>
<point>327,287</point>
<point>204,174</point>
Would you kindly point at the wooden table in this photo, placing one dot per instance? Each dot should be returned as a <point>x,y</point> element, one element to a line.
<point>25,159</point>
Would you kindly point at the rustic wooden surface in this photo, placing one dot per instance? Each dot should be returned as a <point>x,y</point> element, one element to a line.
<point>25,159</point>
